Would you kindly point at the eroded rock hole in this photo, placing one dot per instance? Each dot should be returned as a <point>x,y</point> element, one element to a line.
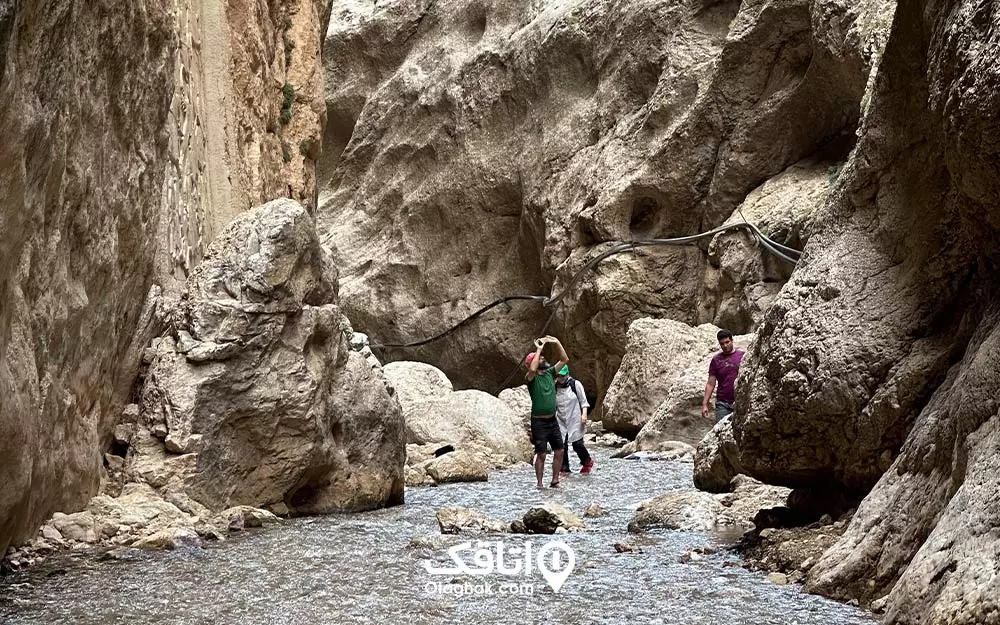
<point>645,217</point>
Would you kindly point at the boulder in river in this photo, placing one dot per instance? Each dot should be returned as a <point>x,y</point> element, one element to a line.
<point>548,518</point>
<point>459,520</point>
<point>687,510</point>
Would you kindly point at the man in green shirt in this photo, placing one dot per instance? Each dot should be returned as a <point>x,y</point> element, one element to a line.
<point>544,427</point>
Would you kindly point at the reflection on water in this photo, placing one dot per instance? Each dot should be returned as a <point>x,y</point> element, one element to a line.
<point>361,568</point>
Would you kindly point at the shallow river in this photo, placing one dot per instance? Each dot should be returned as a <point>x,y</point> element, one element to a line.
<point>362,568</point>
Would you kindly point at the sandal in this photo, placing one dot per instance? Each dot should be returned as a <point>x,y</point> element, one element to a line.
<point>555,485</point>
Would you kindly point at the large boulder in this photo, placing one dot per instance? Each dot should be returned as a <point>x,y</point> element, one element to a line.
<point>471,420</point>
<point>255,394</point>
<point>687,510</point>
<point>414,382</point>
<point>518,399</point>
<point>483,150</point>
<point>458,466</point>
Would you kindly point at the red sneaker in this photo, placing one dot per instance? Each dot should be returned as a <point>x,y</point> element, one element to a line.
<point>587,468</point>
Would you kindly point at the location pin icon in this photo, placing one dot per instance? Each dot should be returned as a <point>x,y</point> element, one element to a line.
<point>556,561</point>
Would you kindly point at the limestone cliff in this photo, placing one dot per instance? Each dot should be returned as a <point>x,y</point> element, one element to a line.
<point>485,149</point>
<point>875,368</point>
<point>132,133</point>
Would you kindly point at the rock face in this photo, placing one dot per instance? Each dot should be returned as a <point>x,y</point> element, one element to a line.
<point>255,394</point>
<point>875,367</point>
<point>716,460</point>
<point>479,151</point>
<point>127,147</point>
<point>80,175</point>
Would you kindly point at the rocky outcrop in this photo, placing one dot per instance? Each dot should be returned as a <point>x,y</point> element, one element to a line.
<point>139,517</point>
<point>874,367</point>
<point>255,394</point>
<point>486,151</point>
<point>127,147</point>
<point>246,117</point>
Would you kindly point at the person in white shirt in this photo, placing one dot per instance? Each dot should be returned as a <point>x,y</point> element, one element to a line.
<point>571,412</point>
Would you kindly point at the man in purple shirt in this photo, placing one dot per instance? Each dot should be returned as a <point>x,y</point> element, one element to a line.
<point>722,370</point>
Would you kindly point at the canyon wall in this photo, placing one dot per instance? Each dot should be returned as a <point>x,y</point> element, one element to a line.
<point>874,368</point>
<point>477,150</point>
<point>133,132</point>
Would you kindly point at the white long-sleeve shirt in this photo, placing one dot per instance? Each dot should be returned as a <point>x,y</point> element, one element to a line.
<point>569,404</point>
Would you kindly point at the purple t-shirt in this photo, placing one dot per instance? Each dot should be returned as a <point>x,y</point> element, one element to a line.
<point>725,367</point>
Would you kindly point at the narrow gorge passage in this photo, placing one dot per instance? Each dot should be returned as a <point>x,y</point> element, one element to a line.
<point>368,568</point>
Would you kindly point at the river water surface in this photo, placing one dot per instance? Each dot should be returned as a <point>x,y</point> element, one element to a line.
<point>363,568</point>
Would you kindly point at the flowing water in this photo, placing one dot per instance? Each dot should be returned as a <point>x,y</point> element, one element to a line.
<point>363,568</point>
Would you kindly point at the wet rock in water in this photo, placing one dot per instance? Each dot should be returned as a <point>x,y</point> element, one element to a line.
<point>594,510</point>
<point>687,510</point>
<point>170,538</point>
<point>689,556</point>
<point>627,449</point>
<point>546,519</point>
<point>647,456</point>
<point>777,578</point>
<point>458,520</point>
<point>425,542</point>
<point>209,533</point>
<point>458,466</point>
<point>666,450</point>
<point>627,548</point>
<point>611,440</point>
<point>716,460</point>
<point>747,499</point>
<point>417,476</point>
<point>239,517</point>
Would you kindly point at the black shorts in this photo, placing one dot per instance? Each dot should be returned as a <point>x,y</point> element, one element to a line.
<point>545,432</point>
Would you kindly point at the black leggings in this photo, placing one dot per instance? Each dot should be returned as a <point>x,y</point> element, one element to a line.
<point>581,453</point>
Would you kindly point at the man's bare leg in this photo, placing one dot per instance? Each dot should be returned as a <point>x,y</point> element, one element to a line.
<point>539,468</point>
<point>557,458</point>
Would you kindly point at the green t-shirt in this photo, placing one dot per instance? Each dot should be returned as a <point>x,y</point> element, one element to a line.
<point>543,392</point>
